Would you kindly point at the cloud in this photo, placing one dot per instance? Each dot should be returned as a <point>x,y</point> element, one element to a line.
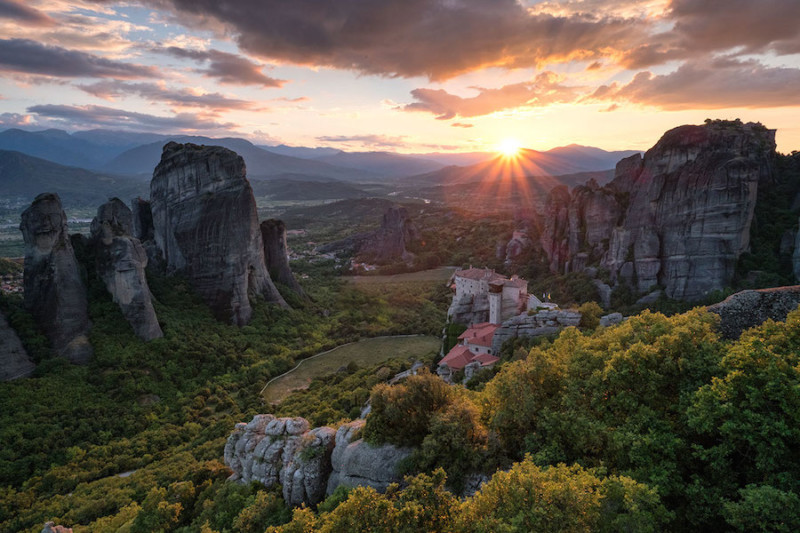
<point>30,57</point>
<point>407,38</point>
<point>545,89</point>
<point>107,117</point>
<point>717,26</point>
<point>14,120</point>
<point>711,84</point>
<point>225,67</point>
<point>384,141</point>
<point>110,89</point>
<point>461,125</point>
<point>9,9</point>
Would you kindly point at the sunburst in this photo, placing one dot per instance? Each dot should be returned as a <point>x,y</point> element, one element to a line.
<point>509,148</point>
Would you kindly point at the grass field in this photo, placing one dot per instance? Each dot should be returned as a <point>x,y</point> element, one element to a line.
<point>436,274</point>
<point>364,353</point>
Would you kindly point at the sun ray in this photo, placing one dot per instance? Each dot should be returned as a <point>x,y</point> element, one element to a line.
<point>509,147</point>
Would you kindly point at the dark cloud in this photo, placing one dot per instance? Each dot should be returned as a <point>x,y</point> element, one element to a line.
<point>9,9</point>
<point>31,57</point>
<point>435,38</point>
<point>225,67</point>
<point>14,120</point>
<point>161,93</point>
<point>712,84</point>
<point>545,89</point>
<point>107,117</point>
<point>713,26</point>
<point>385,141</point>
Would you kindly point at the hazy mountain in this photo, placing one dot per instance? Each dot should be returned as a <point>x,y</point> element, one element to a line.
<point>288,189</point>
<point>302,152</point>
<point>123,140</point>
<point>57,146</point>
<point>24,177</point>
<point>384,163</point>
<point>460,159</point>
<point>572,159</point>
<point>260,163</point>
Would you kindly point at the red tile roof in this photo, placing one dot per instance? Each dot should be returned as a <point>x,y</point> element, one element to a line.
<point>485,359</point>
<point>457,358</point>
<point>480,334</point>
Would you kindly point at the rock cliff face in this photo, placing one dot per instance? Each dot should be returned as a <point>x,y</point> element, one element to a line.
<point>14,360</point>
<point>541,323</point>
<point>679,217</point>
<point>308,463</point>
<point>747,309</point>
<point>206,226</point>
<point>120,262</point>
<point>54,290</point>
<point>389,242</point>
<point>273,233</point>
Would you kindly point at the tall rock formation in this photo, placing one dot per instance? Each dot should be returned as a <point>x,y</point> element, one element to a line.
<point>54,290</point>
<point>678,218</point>
<point>120,260</point>
<point>14,360</point>
<point>273,233</point>
<point>389,242</point>
<point>206,226</point>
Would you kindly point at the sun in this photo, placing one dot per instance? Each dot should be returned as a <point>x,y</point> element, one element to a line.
<point>509,147</point>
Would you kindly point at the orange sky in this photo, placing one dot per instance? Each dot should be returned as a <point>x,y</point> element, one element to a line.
<point>402,75</point>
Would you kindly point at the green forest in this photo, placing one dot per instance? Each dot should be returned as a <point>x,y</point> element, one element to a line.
<point>655,424</point>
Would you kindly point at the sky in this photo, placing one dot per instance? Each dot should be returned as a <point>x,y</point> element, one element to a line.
<point>402,75</point>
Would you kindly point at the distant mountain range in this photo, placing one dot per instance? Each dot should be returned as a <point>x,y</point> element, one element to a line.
<point>92,165</point>
<point>23,177</point>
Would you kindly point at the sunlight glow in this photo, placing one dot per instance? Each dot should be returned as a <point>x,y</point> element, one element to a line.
<point>509,147</point>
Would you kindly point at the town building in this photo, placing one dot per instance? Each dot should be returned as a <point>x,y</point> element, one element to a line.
<point>483,295</point>
<point>474,348</point>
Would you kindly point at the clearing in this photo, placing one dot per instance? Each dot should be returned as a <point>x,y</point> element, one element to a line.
<point>366,352</point>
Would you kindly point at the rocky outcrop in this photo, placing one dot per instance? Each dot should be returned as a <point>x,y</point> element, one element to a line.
<point>678,218</point>
<point>545,322</point>
<point>120,261</point>
<point>469,309</point>
<point>356,463</point>
<point>55,293</point>
<point>516,246</point>
<point>276,256</point>
<point>747,309</point>
<point>51,527</point>
<point>14,360</point>
<point>388,243</point>
<point>206,226</point>
<point>308,463</point>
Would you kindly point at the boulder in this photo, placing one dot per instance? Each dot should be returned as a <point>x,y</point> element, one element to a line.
<point>747,309</point>
<point>611,319</point>
<point>14,360</point>
<point>206,226</point>
<point>55,292</point>
<point>51,527</point>
<point>276,256</point>
<point>120,260</point>
<point>357,463</point>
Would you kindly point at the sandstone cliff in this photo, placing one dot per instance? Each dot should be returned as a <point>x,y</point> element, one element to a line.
<point>120,260</point>
<point>14,360</point>
<point>273,233</point>
<point>54,290</point>
<point>678,218</point>
<point>206,226</point>
<point>308,463</point>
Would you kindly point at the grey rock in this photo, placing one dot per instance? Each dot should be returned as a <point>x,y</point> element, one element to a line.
<point>679,217</point>
<point>649,298</point>
<point>55,293</point>
<point>120,260</point>
<point>273,234</point>
<point>611,319</point>
<point>536,325</point>
<point>604,290</point>
<point>14,360</point>
<point>747,309</point>
<point>51,527</point>
<point>389,243</point>
<point>206,226</point>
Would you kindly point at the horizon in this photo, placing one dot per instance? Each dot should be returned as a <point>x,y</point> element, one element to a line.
<point>403,77</point>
